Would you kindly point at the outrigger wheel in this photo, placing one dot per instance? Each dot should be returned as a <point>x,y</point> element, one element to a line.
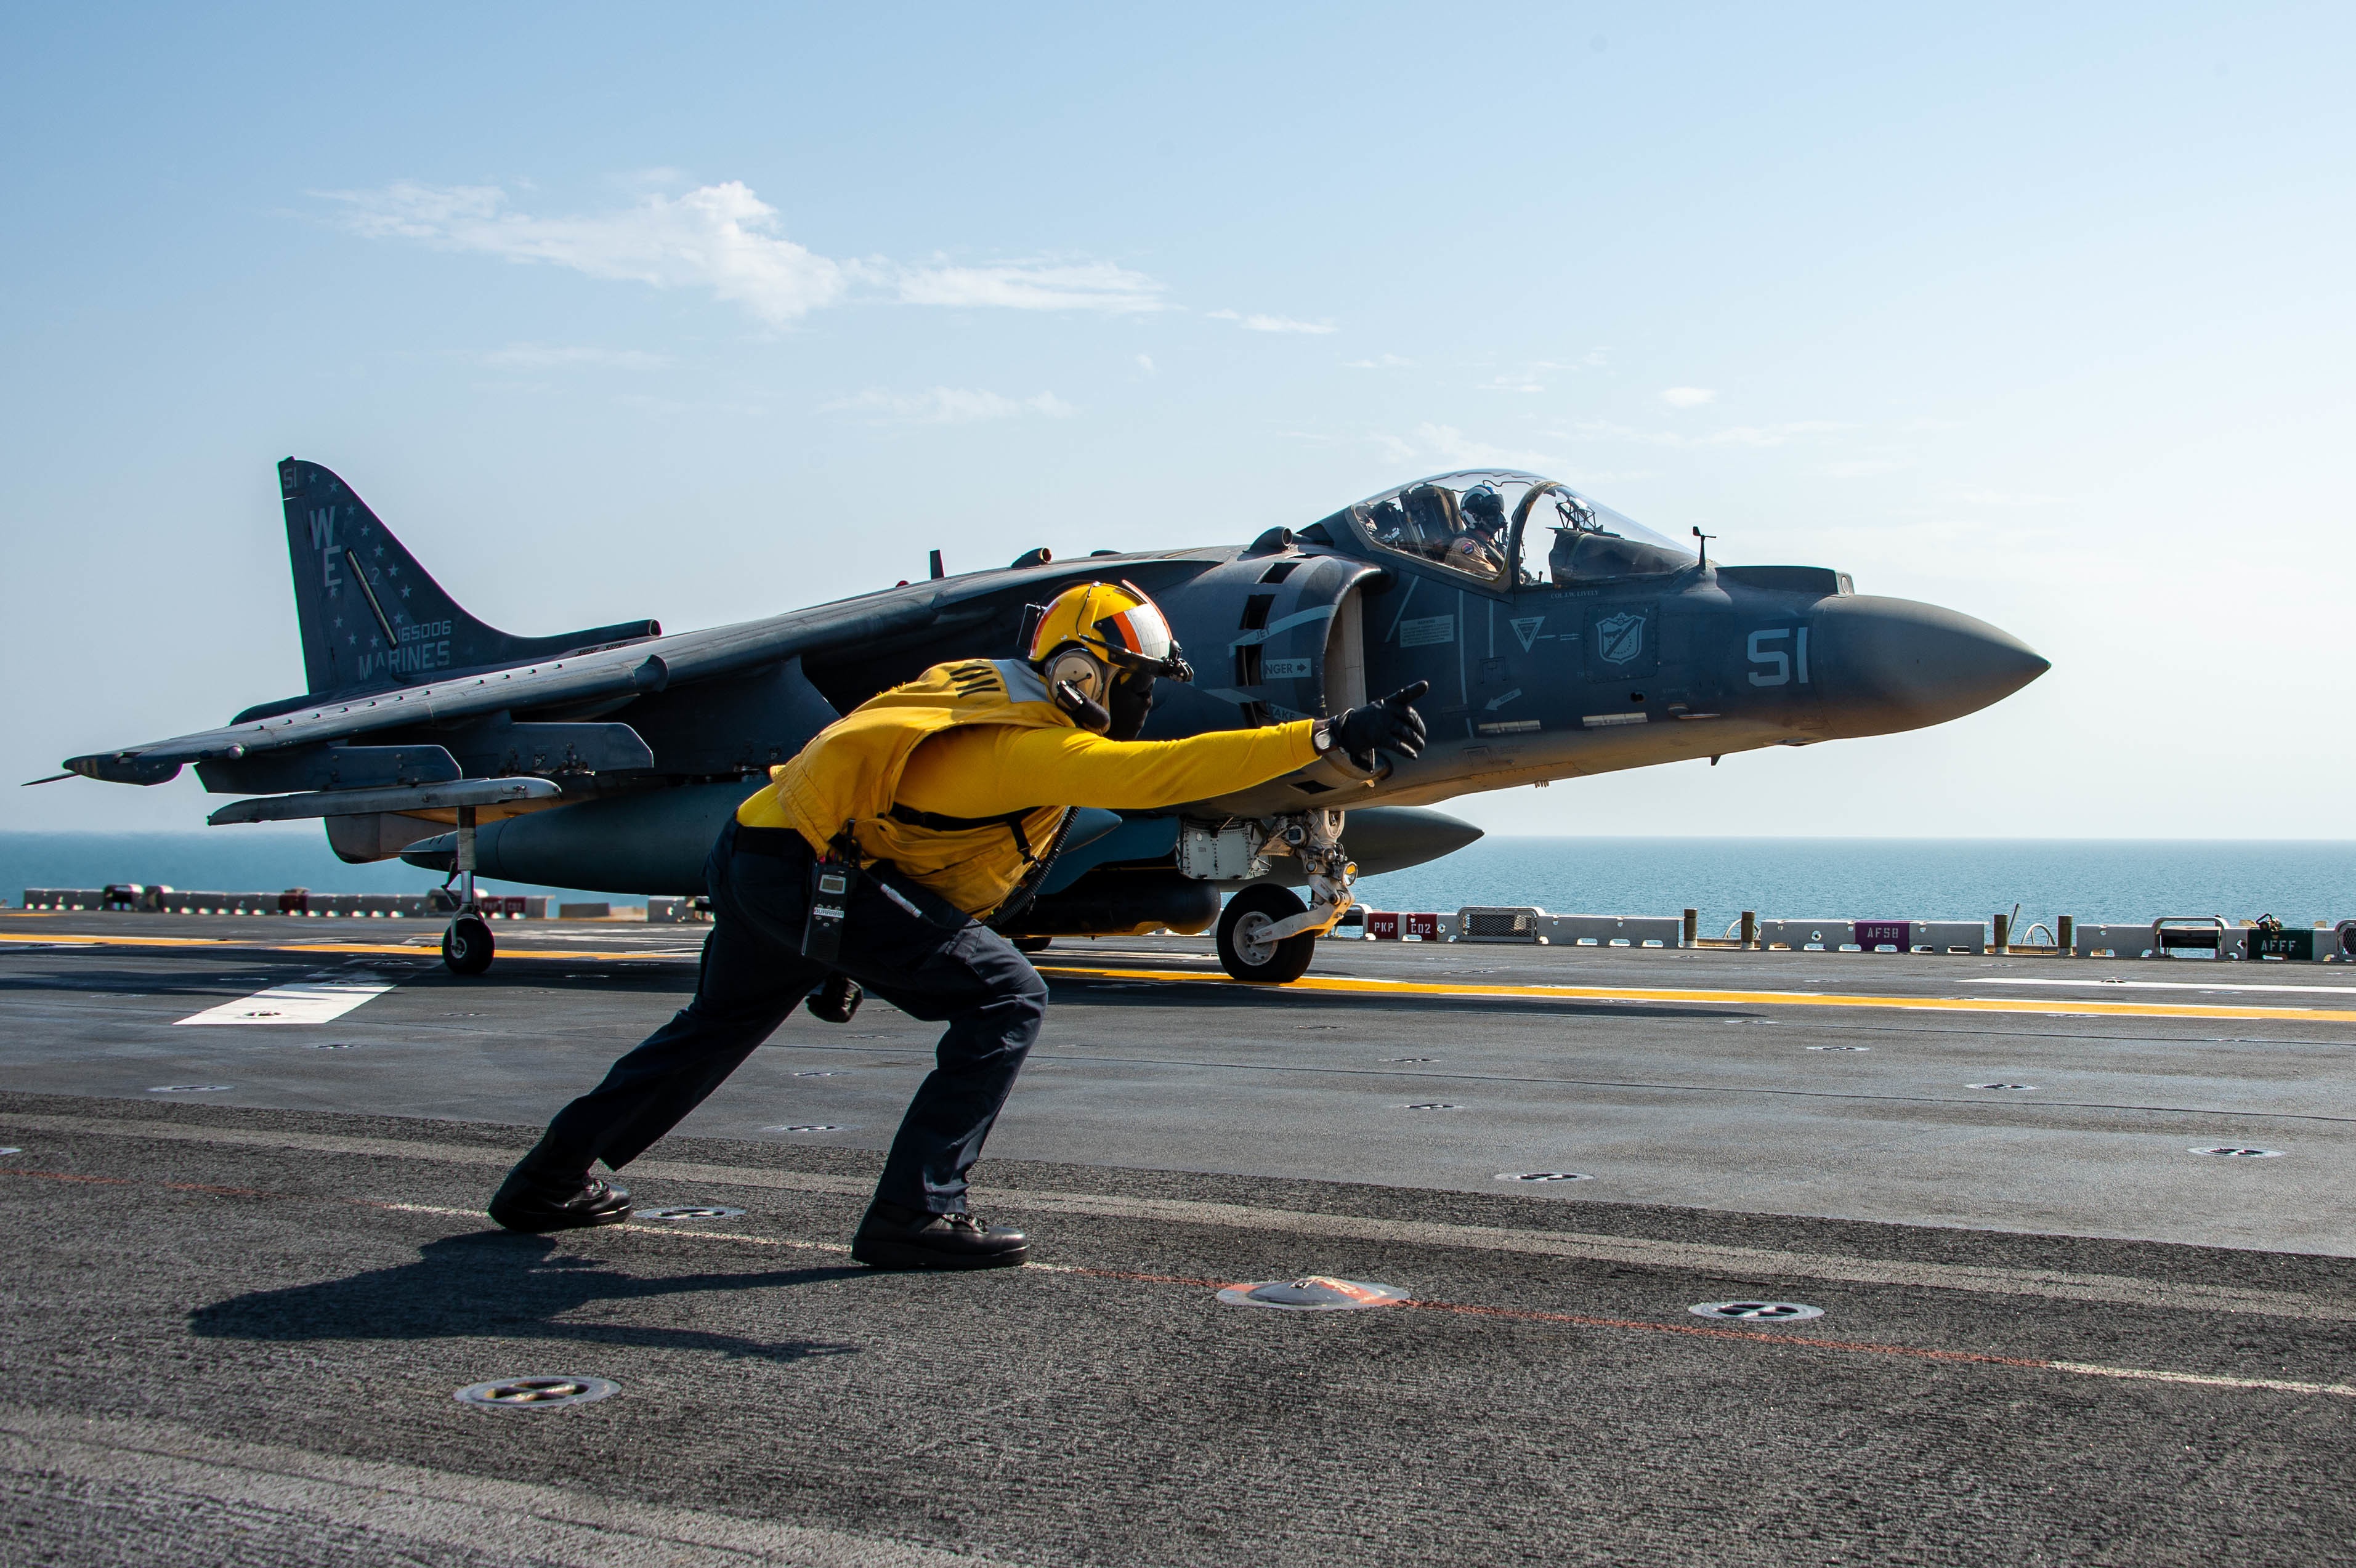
<point>1248,954</point>
<point>467,946</point>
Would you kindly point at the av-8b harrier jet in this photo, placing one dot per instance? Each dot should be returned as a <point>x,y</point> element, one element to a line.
<point>1560,638</point>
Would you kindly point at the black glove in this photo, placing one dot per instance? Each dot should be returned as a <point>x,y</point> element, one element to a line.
<point>837,997</point>
<point>1391,724</point>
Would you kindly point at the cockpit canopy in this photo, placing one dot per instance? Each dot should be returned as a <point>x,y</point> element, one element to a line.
<point>1511,529</point>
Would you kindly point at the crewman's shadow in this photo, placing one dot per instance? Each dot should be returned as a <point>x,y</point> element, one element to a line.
<point>493,1284</point>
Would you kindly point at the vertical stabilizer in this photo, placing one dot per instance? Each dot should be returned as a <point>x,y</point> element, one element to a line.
<point>371,615</point>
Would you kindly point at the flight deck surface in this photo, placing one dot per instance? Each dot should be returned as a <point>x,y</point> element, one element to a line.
<point>250,1268</point>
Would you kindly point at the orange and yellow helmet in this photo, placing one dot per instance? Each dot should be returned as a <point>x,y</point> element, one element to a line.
<point>1115,622</point>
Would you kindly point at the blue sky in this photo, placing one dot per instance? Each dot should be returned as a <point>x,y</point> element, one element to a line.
<point>709,312</point>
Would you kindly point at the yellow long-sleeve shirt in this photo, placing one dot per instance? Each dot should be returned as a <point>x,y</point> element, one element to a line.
<point>978,770</point>
<point>988,770</point>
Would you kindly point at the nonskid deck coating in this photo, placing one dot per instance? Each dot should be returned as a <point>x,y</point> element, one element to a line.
<point>1659,1076</point>
<point>240,1314</point>
<point>237,1333</point>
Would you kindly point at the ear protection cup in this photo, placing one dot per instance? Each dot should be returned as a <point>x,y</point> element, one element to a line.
<point>1081,668</point>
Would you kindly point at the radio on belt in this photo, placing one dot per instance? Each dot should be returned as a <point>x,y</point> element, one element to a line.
<point>832,885</point>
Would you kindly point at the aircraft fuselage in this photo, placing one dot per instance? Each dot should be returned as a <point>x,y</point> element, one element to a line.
<point>1559,638</point>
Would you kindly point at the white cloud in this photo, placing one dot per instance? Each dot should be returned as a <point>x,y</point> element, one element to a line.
<point>1271,323</point>
<point>1379,362</point>
<point>1586,476</point>
<point>1457,450</point>
<point>550,356</point>
<point>723,238</point>
<point>2003,498</point>
<point>1688,396</point>
<point>1092,285</point>
<point>1861,468</point>
<point>948,405</point>
<point>1771,434</point>
<point>1733,435</point>
<point>1435,448</point>
<point>1392,448</point>
<point>1532,378</point>
<point>1145,363</point>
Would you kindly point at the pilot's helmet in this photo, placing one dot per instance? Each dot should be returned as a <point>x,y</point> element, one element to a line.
<point>1117,623</point>
<point>1484,508</point>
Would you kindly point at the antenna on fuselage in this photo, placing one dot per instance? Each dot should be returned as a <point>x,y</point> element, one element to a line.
<point>1705,544</point>
<point>938,572</point>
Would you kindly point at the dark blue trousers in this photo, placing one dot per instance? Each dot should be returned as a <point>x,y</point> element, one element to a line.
<point>935,964</point>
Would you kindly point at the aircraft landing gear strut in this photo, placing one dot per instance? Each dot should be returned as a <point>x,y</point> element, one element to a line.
<point>1266,933</point>
<point>466,945</point>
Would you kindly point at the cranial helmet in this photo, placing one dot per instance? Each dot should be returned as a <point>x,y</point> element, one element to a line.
<point>1483,507</point>
<point>1113,623</point>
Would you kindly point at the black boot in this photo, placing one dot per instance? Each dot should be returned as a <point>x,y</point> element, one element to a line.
<point>527,1200</point>
<point>893,1237</point>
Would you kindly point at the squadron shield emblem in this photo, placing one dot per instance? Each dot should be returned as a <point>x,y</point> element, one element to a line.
<point>1620,639</point>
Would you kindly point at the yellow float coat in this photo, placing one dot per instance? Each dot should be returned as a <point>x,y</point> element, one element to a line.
<point>982,739</point>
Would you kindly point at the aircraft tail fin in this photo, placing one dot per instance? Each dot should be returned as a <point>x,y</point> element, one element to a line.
<point>371,616</point>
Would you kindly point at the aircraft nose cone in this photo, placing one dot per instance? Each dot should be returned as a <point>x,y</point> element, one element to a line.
<point>1886,665</point>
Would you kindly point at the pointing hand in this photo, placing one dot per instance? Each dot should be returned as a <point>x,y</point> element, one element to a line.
<point>1391,724</point>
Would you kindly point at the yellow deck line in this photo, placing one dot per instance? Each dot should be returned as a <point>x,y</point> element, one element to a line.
<point>1315,983</point>
<point>2023,1006</point>
<point>405,950</point>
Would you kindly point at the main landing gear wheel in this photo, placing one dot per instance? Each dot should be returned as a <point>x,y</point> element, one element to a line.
<point>1247,953</point>
<point>467,946</point>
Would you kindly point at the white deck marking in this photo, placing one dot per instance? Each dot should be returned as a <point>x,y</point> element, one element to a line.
<point>314,1001</point>
<point>2201,1380</point>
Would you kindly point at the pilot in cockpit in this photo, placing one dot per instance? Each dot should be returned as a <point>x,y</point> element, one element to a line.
<point>1480,547</point>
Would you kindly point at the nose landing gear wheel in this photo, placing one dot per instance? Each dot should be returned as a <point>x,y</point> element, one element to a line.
<point>466,945</point>
<point>1247,953</point>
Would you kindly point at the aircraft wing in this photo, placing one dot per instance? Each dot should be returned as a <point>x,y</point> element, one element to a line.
<point>569,683</point>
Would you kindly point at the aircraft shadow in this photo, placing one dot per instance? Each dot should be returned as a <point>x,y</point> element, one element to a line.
<point>493,1284</point>
<point>135,982</point>
<point>589,978</point>
<point>671,981</point>
<point>208,987</point>
<point>1164,994</point>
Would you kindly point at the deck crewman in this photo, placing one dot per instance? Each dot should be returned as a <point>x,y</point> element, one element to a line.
<point>873,858</point>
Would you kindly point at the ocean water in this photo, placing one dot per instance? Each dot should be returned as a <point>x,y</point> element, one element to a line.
<point>1831,879</point>
<point>1888,879</point>
<point>221,859</point>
